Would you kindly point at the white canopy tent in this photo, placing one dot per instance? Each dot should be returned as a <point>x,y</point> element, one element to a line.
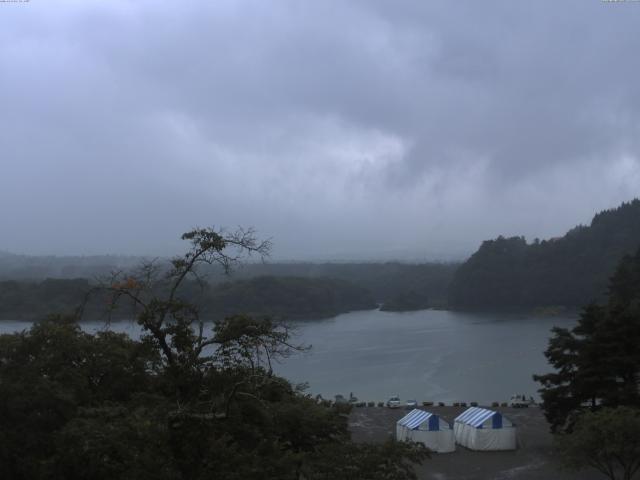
<point>426,428</point>
<point>481,429</point>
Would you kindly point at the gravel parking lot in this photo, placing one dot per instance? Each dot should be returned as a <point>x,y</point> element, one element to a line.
<point>533,460</point>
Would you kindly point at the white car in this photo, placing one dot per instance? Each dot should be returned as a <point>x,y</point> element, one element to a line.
<point>394,402</point>
<point>411,404</point>
<point>520,401</point>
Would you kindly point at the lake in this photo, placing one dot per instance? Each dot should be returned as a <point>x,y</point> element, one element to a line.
<point>425,355</point>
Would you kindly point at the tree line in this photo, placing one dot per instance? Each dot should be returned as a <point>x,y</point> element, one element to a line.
<point>282,297</point>
<point>568,271</point>
<point>310,294</point>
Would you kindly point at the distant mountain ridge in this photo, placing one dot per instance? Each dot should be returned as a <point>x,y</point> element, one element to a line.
<point>26,267</point>
<point>279,297</point>
<point>387,282</point>
<point>286,297</point>
<point>569,271</point>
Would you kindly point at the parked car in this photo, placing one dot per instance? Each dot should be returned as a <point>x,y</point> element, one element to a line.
<point>410,404</point>
<point>340,399</point>
<point>394,402</point>
<point>520,401</point>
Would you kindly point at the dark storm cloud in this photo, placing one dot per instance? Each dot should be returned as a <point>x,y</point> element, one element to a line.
<point>342,129</point>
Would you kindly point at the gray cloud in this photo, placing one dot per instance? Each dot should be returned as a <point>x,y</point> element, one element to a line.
<point>370,129</point>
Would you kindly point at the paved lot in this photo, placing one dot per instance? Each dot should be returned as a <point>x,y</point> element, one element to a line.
<point>533,460</point>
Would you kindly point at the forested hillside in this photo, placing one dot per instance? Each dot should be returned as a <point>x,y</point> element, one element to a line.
<point>286,297</point>
<point>568,271</point>
<point>400,286</point>
<point>20,300</point>
<point>391,283</point>
<point>281,297</point>
<point>504,273</point>
<point>25,267</point>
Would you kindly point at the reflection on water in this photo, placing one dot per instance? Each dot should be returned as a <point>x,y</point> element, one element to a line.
<point>426,355</point>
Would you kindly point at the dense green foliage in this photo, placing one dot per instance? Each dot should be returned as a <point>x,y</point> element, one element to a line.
<point>182,403</point>
<point>74,405</point>
<point>569,271</point>
<point>386,281</point>
<point>283,297</point>
<point>308,295</point>
<point>59,384</point>
<point>607,440</point>
<point>597,362</point>
<point>30,300</point>
<point>289,297</point>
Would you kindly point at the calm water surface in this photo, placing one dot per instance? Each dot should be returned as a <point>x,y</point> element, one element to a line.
<point>425,355</point>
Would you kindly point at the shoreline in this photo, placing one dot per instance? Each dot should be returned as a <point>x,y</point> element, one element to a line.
<point>541,311</point>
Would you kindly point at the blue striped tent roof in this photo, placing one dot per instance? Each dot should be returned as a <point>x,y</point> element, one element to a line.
<point>415,418</point>
<point>476,416</point>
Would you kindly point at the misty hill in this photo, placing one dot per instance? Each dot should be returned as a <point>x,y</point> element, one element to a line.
<point>25,267</point>
<point>400,286</point>
<point>35,300</point>
<point>387,282</point>
<point>20,300</point>
<point>286,297</point>
<point>569,271</point>
<point>283,297</point>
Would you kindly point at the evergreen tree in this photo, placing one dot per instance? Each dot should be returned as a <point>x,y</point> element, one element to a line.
<point>568,271</point>
<point>597,362</point>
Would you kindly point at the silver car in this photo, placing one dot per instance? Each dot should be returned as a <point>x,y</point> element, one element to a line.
<point>394,402</point>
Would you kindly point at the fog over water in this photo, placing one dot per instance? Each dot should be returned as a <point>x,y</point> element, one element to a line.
<point>424,355</point>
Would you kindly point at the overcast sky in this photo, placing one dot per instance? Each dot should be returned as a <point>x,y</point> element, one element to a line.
<point>341,129</point>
